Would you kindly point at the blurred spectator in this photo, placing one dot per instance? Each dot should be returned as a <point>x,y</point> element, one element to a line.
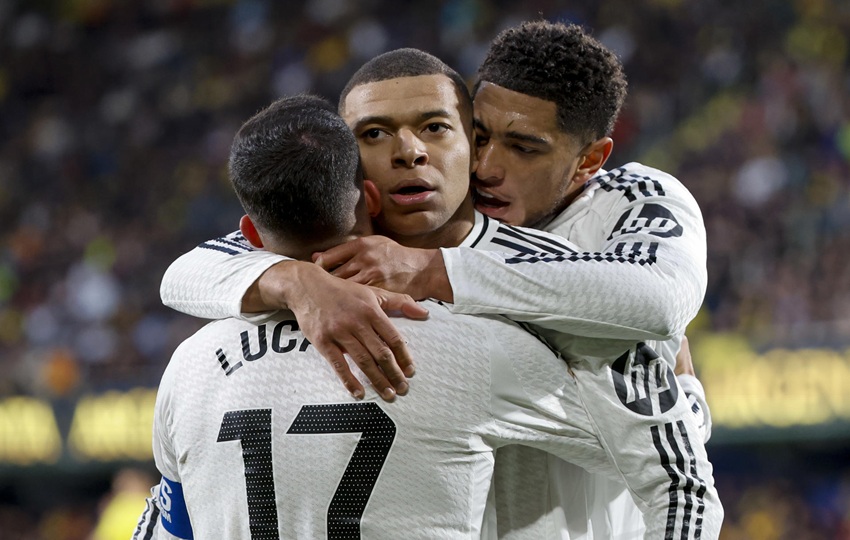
<point>121,508</point>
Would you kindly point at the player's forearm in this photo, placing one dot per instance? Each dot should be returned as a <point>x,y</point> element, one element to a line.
<point>281,286</point>
<point>570,295</point>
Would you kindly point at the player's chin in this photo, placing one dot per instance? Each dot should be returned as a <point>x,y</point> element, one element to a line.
<point>414,223</point>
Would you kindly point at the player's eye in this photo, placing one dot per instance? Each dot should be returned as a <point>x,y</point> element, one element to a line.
<point>436,127</point>
<point>481,140</point>
<point>524,149</point>
<point>374,134</point>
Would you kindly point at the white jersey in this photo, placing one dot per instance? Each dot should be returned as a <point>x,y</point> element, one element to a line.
<point>256,438</point>
<point>594,218</point>
<point>646,255</point>
<point>651,269</point>
<point>537,495</point>
<point>645,280</point>
<point>577,504</point>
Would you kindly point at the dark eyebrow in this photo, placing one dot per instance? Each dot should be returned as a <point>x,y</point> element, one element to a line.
<point>431,114</point>
<point>380,120</point>
<point>478,124</point>
<point>389,121</point>
<point>516,135</point>
<point>526,138</point>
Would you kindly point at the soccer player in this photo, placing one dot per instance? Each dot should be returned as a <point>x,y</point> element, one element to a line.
<point>402,120</point>
<point>254,436</point>
<point>546,98</point>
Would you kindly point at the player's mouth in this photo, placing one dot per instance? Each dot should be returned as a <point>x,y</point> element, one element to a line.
<point>489,204</point>
<point>410,192</point>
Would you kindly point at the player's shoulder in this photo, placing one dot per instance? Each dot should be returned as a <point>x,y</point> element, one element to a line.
<point>234,243</point>
<point>497,236</point>
<point>636,177</point>
<point>634,182</point>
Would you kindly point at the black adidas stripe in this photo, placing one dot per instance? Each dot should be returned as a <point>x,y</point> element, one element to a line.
<point>689,482</point>
<point>545,243</point>
<point>688,470</point>
<point>487,225</point>
<point>630,184</point>
<point>672,510</point>
<point>207,245</point>
<point>700,493</point>
<point>634,257</point>
<point>520,249</point>
<point>221,244</point>
<point>151,515</point>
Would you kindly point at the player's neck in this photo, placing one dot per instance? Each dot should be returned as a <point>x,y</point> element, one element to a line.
<point>451,234</point>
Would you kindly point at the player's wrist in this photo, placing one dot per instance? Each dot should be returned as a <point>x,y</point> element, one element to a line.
<point>434,278</point>
<point>282,285</point>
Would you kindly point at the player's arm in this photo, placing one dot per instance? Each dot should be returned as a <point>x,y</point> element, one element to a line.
<point>212,280</point>
<point>647,281</point>
<point>150,525</point>
<point>229,277</point>
<point>165,516</point>
<point>693,389</point>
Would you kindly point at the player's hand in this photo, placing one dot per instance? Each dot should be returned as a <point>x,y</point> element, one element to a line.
<point>381,262</point>
<point>684,362</point>
<point>339,316</point>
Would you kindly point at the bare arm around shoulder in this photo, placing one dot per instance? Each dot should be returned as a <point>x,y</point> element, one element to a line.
<point>228,277</point>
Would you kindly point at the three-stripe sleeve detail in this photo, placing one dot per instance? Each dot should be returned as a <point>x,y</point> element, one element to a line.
<point>147,523</point>
<point>233,244</point>
<point>686,487</point>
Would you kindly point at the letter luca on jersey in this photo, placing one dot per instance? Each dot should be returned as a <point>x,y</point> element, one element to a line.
<point>256,344</point>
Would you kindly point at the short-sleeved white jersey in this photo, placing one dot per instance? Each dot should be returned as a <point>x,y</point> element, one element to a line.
<point>265,442</point>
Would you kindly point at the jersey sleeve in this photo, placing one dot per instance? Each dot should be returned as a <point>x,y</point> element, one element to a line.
<point>534,401</point>
<point>210,281</point>
<point>699,405</point>
<point>646,282</point>
<point>165,516</point>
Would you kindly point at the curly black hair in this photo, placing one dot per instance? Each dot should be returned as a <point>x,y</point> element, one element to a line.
<point>563,64</point>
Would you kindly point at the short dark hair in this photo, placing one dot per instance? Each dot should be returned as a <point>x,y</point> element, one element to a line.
<point>407,62</point>
<point>295,166</point>
<point>563,64</point>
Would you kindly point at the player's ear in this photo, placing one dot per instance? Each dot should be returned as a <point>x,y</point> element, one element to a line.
<point>373,198</point>
<point>592,158</point>
<point>249,231</point>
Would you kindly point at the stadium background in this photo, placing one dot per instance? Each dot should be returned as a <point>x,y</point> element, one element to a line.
<point>115,123</point>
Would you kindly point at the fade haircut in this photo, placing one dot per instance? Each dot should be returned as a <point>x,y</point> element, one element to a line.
<point>406,62</point>
<point>295,167</point>
<point>562,64</point>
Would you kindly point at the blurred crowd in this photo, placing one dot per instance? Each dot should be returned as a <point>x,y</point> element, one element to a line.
<point>116,120</point>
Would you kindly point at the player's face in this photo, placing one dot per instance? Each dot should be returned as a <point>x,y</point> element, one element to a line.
<point>415,145</point>
<point>525,162</point>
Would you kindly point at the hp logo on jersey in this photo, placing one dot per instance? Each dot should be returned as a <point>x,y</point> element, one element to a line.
<point>644,382</point>
<point>651,218</point>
